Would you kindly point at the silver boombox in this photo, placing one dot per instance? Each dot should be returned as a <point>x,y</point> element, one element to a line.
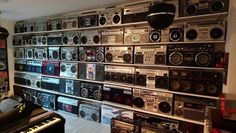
<point>33,80</point>
<point>40,53</point>
<point>69,70</point>
<point>69,22</point>
<point>119,54</point>
<point>112,36</point>
<point>29,53</point>
<point>54,53</point>
<point>54,23</point>
<point>90,112</point>
<point>174,33</point>
<point>41,24</point>
<point>90,37</point>
<point>69,53</point>
<point>71,38</point>
<point>29,26</point>
<point>40,40</point>
<point>110,16</point>
<point>19,52</point>
<point>154,101</point>
<point>136,35</point>
<point>205,31</point>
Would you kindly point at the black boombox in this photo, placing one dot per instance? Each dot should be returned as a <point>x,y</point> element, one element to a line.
<point>29,26</point>
<point>89,111</point>
<point>3,65</point>
<point>92,54</point>
<point>19,52</point>
<point>71,38</point>
<point>154,101</point>
<point>69,69</point>
<point>54,39</point>
<point>196,81</point>
<point>139,34</point>
<point>152,78</point>
<point>192,107</point>
<point>174,33</point>
<point>51,68</point>
<point>200,7</point>
<point>67,104</point>
<point>69,53</point>
<point>119,54</point>
<point>91,90</point>
<point>110,16</point>
<point>69,22</point>
<point>34,66</point>
<point>91,37</point>
<point>4,81</point>
<point>20,78</point>
<point>121,125</point>
<point>33,80</point>
<point>118,94</point>
<point>50,83</point>
<point>19,27</point>
<point>135,12</point>
<point>41,53</point>
<point>121,74</point>
<point>88,19</point>
<point>113,36</point>
<point>91,71</point>
<point>47,100</point>
<point>41,24</point>
<point>30,95</point>
<point>70,86</point>
<point>39,40</point>
<point>20,65</point>
<point>54,53</point>
<point>54,23</point>
<point>150,55</point>
<point>29,53</point>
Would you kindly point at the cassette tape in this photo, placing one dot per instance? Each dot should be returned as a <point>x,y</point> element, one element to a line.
<point>33,80</point>
<point>91,54</point>
<point>54,39</point>
<point>70,86</point>
<point>3,65</point>
<point>91,71</point>
<point>71,38</point>
<point>136,35</point>
<point>89,111</point>
<point>110,16</point>
<point>29,26</point>
<point>41,53</point>
<point>39,40</point>
<point>19,27</point>
<point>69,53</point>
<point>69,22</point>
<point>112,36</point>
<point>54,23</point>
<point>19,52</point>
<point>88,19</point>
<point>4,81</point>
<point>68,104</point>
<point>34,66</point>
<point>91,37</point>
<point>50,83</point>
<point>41,24</point>
<point>69,70</point>
<point>20,65</point>
<point>29,53</point>
<point>119,54</point>
<point>51,68</point>
<point>54,53</point>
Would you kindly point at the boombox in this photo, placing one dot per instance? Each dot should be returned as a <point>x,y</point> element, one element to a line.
<point>205,31</point>
<point>150,55</point>
<point>71,38</point>
<point>47,100</point>
<point>67,104</point>
<point>41,24</point>
<point>17,40</point>
<point>200,7</point>
<point>121,125</point>
<point>33,80</point>
<point>50,83</point>
<point>120,74</point>
<point>88,19</point>
<point>39,40</point>
<point>119,54</point>
<point>19,27</point>
<point>27,40</point>
<point>174,33</point>
<point>152,78</point>
<point>54,53</point>
<point>3,65</point>
<point>91,71</point>
<point>41,53</point>
<point>20,78</point>
<point>19,52</point>
<point>69,53</point>
<point>34,66</point>
<point>69,22</point>
<point>154,101</point>
<point>192,107</point>
<point>20,65</point>
<point>51,68</point>
<point>135,12</point>
<point>110,16</point>
<point>29,26</point>
<point>29,53</point>
<point>91,90</point>
<point>69,86</point>
<point>89,111</point>
<point>118,94</point>
<point>136,35</point>
<point>200,55</point>
<point>69,69</point>
<point>30,95</point>
<point>91,54</point>
<point>4,81</point>
<point>196,81</point>
<point>54,23</point>
<point>112,36</point>
<point>90,37</point>
<point>54,39</point>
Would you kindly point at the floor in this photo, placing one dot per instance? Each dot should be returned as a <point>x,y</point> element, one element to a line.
<point>75,124</point>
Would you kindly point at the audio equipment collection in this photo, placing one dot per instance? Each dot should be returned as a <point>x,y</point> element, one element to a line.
<point>110,16</point>
<point>174,33</point>
<point>54,23</point>
<point>51,68</point>
<point>119,54</point>
<point>54,39</point>
<point>90,37</point>
<point>69,22</point>
<point>20,65</point>
<point>34,66</point>
<point>54,53</point>
<point>69,69</point>
<point>70,86</point>
<point>91,54</point>
<point>47,100</point>
<point>50,83</point>
<point>91,90</point>
<point>91,71</point>
<point>112,36</point>
<point>68,104</point>
<point>41,24</point>
<point>71,38</point>
<point>69,53</point>
<point>41,53</point>
<point>88,19</point>
<point>29,26</point>
<point>19,52</point>
<point>90,112</point>
<point>136,35</point>
<point>39,40</point>
<point>33,80</point>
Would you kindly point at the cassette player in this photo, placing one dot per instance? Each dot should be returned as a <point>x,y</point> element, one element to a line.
<point>71,38</point>
<point>91,90</point>
<point>20,65</point>
<point>90,111</point>
<point>33,80</point>
<point>54,39</point>
<point>110,16</point>
<point>150,55</point>
<point>54,23</point>
<point>118,94</point>
<point>88,19</point>
<point>54,53</point>
<point>119,54</point>
<point>69,22</point>
<point>51,68</point>
<point>41,53</point>
<point>67,104</point>
<point>91,54</point>
<point>120,74</point>
<point>41,24</point>
<point>136,35</point>
<point>69,86</point>
<point>69,53</point>
<point>91,71</point>
<point>112,36</point>
<point>29,26</point>
<point>152,78</point>
<point>34,66</point>
<point>91,37</point>
<point>50,83</point>
<point>69,69</point>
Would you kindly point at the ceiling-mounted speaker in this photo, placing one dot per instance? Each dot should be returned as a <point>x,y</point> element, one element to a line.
<point>161,15</point>
<point>3,32</point>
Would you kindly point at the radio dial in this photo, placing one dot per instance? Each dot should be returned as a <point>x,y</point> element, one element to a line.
<point>138,102</point>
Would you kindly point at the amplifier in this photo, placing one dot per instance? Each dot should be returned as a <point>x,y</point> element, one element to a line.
<point>19,27</point>
<point>33,80</point>
<point>110,16</point>
<point>34,66</point>
<point>54,23</point>
<point>29,26</point>
<point>112,36</point>
<point>91,54</point>
<point>88,19</point>
<point>54,53</point>
<point>91,37</point>
<point>136,35</point>
<point>20,65</point>
<point>51,68</point>
<point>91,71</point>
<point>4,81</point>
<point>70,86</point>
<point>41,24</point>
<point>91,90</point>
<point>54,39</point>
<point>69,69</point>
<point>50,83</point>
<point>67,104</point>
<point>19,78</point>
<point>89,111</point>
<point>47,100</point>
<point>69,53</point>
<point>118,94</point>
<point>71,38</point>
<point>69,22</point>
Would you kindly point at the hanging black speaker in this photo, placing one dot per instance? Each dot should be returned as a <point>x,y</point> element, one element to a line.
<point>161,15</point>
<point>3,33</point>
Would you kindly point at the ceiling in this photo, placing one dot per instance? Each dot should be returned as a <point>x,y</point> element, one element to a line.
<point>26,9</point>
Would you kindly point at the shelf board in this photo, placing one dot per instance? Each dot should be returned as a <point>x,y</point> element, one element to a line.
<point>189,18</point>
